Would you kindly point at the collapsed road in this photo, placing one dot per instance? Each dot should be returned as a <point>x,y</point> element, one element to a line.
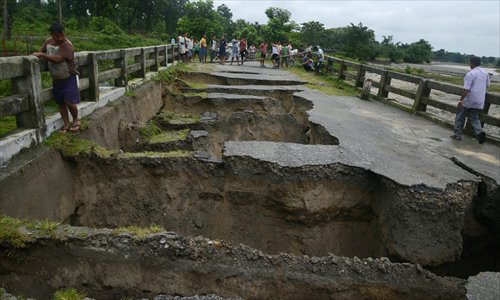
<point>263,188</point>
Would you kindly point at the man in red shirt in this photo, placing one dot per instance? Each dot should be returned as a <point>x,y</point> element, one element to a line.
<point>60,54</point>
<point>243,49</point>
<point>263,52</point>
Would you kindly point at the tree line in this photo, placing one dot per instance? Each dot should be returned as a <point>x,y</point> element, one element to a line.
<point>166,19</point>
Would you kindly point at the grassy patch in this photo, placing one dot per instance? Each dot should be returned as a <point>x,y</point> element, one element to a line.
<point>68,294</point>
<point>11,231</point>
<point>494,88</point>
<point>7,124</point>
<point>130,94</point>
<point>178,153</point>
<point>19,232</point>
<point>327,84</point>
<point>169,136</point>
<point>44,227</point>
<point>197,85</point>
<point>178,119</point>
<point>170,74</point>
<point>50,108</point>
<point>167,76</point>
<point>138,232</point>
<point>70,145</point>
<point>5,88</point>
<point>198,94</point>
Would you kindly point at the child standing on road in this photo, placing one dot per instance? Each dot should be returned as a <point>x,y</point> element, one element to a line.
<point>234,52</point>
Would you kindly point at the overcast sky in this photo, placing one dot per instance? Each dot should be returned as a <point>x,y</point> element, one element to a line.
<point>471,27</point>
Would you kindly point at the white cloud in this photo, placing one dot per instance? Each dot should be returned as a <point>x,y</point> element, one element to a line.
<point>471,27</point>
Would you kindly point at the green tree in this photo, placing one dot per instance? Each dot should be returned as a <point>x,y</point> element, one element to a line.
<point>313,33</point>
<point>418,52</point>
<point>279,26</point>
<point>200,17</point>
<point>246,29</point>
<point>360,42</point>
<point>226,17</point>
<point>388,49</point>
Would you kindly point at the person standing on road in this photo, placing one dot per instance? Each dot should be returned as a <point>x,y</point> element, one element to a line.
<point>275,58</point>
<point>320,57</point>
<point>182,46</point>
<point>213,49</point>
<point>203,49</point>
<point>235,50</point>
<point>222,50</point>
<point>243,49</point>
<point>472,101</point>
<point>60,54</point>
<point>263,53</point>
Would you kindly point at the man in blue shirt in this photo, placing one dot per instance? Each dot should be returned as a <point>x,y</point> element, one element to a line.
<point>222,50</point>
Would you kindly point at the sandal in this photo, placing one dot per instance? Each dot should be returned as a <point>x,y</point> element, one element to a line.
<point>75,127</point>
<point>64,129</point>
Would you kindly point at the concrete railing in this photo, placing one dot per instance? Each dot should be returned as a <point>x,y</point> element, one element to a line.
<point>421,99</point>
<point>27,96</point>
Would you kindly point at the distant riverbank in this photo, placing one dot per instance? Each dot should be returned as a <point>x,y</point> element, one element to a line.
<point>449,69</point>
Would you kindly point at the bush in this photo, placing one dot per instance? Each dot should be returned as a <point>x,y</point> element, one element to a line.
<point>104,25</point>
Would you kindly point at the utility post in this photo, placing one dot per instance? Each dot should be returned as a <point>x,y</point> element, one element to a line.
<point>59,11</point>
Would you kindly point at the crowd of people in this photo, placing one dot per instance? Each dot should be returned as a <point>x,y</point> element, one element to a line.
<point>282,53</point>
<point>60,54</point>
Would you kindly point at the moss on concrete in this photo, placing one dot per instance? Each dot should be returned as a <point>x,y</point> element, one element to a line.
<point>179,119</point>
<point>169,136</point>
<point>202,95</point>
<point>171,154</point>
<point>138,232</point>
<point>71,145</point>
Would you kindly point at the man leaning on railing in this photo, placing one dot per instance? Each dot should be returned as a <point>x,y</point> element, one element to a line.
<point>60,54</point>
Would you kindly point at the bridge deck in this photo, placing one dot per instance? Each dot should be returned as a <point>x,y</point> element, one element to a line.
<point>405,148</point>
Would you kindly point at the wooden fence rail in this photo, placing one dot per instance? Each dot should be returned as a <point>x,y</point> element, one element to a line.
<point>356,72</point>
<point>27,97</point>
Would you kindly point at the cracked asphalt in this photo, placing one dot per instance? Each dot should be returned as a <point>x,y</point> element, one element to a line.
<point>405,148</point>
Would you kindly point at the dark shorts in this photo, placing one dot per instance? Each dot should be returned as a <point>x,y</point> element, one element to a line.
<point>66,90</point>
<point>263,55</point>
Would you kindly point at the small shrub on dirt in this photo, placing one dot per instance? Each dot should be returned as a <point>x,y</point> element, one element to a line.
<point>11,231</point>
<point>167,76</point>
<point>68,294</point>
<point>130,94</point>
<point>151,129</point>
